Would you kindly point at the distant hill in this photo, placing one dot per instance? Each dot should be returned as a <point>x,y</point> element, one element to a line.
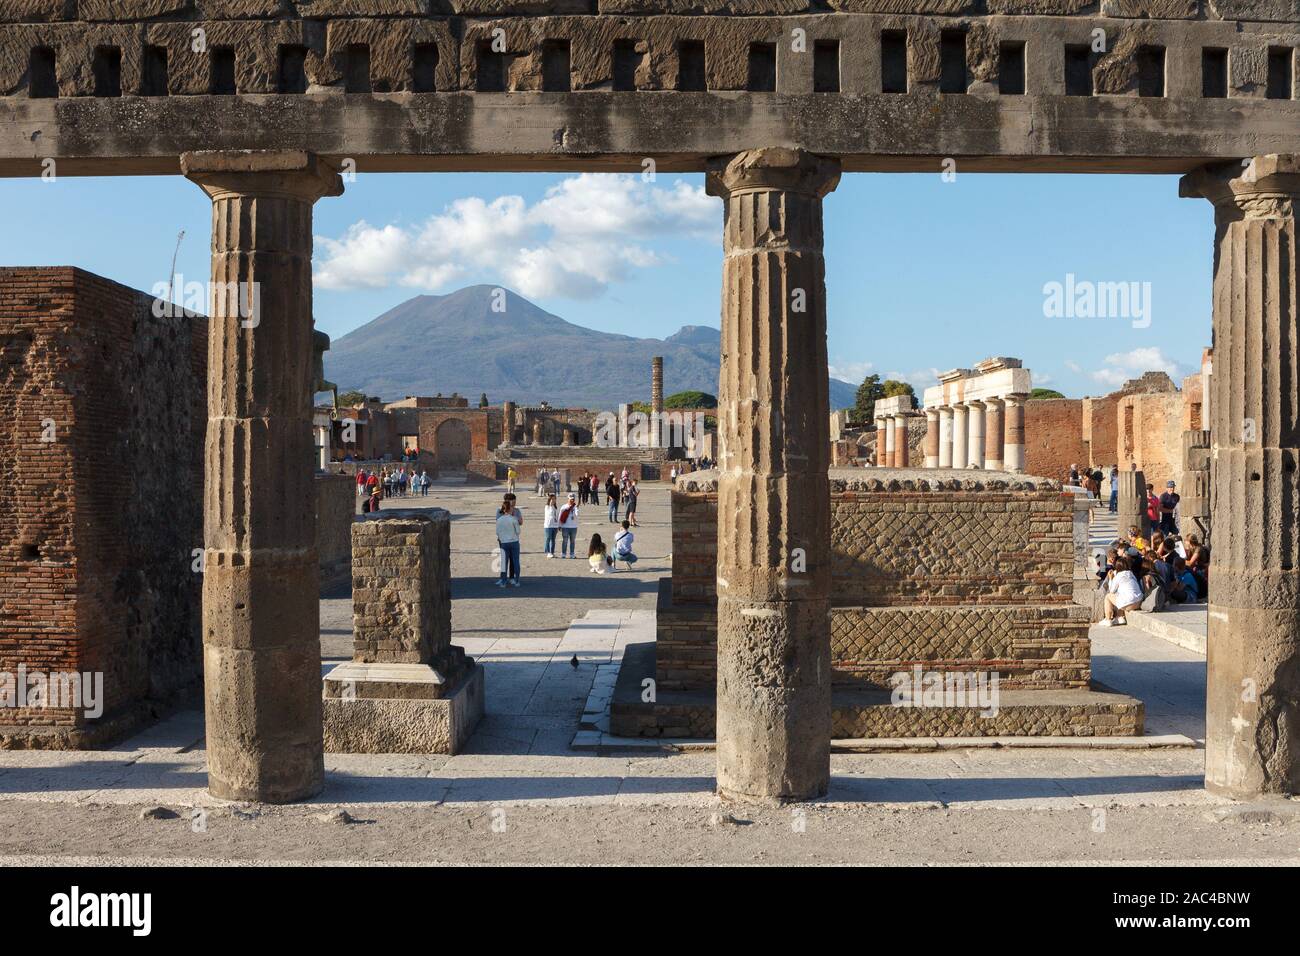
<point>457,343</point>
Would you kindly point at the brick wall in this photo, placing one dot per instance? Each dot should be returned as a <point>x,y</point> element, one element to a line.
<point>1100,432</point>
<point>1054,436</point>
<point>954,574</point>
<point>1150,429</point>
<point>401,586</point>
<point>100,495</point>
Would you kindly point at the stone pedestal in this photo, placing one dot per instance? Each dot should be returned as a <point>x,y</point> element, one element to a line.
<point>1132,505</point>
<point>261,634</point>
<point>1252,720</point>
<point>408,688</point>
<point>773,574</point>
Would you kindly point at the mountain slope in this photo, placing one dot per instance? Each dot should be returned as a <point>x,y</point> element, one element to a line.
<point>459,343</point>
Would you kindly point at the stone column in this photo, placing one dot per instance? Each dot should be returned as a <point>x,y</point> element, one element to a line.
<point>945,437</point>
<point>882,430</point>
<point>537,432</point>
<point>891,436</point>
<point>931,438</point>
<point>1252,720</point>
<point>656,400</point>
<point>975,435</point>
<point>261,631</point>
<point>993,434</point>
<point>902,451</point>
<point>774,676</point>
<point>959,446</point>
<point>1013,438</point>
<point>508,423</point>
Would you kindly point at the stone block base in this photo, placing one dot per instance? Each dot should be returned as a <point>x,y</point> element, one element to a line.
<point>864,713</point>
<point>400,709</point>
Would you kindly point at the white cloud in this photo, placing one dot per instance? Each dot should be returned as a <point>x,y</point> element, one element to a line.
<point>587,233</point>
<point>1042,378</point>
<point>920,379</point>
<point>1122,366</point>
<point>1074,366</point>
<point>853,372</point>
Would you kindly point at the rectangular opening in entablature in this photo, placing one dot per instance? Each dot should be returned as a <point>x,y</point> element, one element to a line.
<point>221,70</point>
<point>424,67</point>
<point>1214,73</point>
<point>1011,68</point>
<point>42,75</point>
<point>1279,73</point>
<point>1151,70</point>
<point>556,69</point>
<point>153,73</point>
<point>626,62</point>
<point>356,79</point>
<point>893,61</point>
<point>762,68</point>
<point>952,61</point>
<point>106,66</point>
<point>826,66</point>
<point>489,69</point>
<point>1078,70</point>
<point>692,73</point>
<point>291,76</point>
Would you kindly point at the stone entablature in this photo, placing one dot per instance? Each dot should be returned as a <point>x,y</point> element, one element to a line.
<point>975,418</point>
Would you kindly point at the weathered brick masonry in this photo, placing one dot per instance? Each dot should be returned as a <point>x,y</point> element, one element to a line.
<point>100,496</point>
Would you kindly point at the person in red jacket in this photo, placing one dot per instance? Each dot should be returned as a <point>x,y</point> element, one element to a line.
<point>1153,510</point>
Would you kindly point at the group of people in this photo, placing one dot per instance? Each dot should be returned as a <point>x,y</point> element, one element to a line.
<point>558,521</point>
<point>400,482</point>
<point>1141,572</point>
<point>1161,510</point>
<point>620,491</point>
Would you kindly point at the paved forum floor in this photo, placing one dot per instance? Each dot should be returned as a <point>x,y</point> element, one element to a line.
<point>519,794</point>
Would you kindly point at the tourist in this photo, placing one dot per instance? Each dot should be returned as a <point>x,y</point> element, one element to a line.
<point>555,481</point>
<point>372,503</point>
<point>1123,594</point>
<point>1074,474</point>
<point>1153,509</point>
<point>372,483</point>
<point>361,482</point>
<point>543,479</point>
<point>569,528</point>
<point>623,540</point>
<point>611,495</point>
<point>550,526</point>
<point>597,557</point>
<point>672,475</point>
<point>1168,503</point>
<point>582,489</point>
<point>1114,489</point>
<point>1191,584</point>
<point>510,478</point>
<point>632,495</point>
<point>508,527</point>
<point>1136,539</point>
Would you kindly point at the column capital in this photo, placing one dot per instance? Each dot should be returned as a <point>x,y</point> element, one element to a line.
<point>1266,187</point>
<point>760,170</point>
<point>288,174</point>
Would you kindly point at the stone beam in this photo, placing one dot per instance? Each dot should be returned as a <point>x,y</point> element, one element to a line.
<point>774,679</point>
<point>261,633</point>
<point>1252,721</point>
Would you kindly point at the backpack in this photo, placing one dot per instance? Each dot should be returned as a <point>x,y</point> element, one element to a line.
<point>564,513</point>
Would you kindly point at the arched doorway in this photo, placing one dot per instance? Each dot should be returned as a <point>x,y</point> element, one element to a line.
<point>452,446</point>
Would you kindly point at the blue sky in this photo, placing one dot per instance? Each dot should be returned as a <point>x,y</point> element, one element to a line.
<point>923,274</point>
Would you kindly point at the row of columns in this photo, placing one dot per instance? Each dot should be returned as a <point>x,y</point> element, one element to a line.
<point>988,434</point>
<point>260,610</point>
<point>892,444</point>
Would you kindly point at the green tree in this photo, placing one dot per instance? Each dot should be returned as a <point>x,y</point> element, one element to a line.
<point>482,400</point>
<point>691,399</point>
<point>865,401</point>
<point>1045,393</point>
<point>352,398</point>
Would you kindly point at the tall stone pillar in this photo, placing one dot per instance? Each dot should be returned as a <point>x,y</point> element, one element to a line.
<point>508,423</point>
<point>931,438</point>
<point>959,446</point>
<point>945,437</point>
<point>657,384</point>
<point>261,630</point>
<point>1013,439</point>
<point>902,451</point>
<point>891,437</point>
<point>993,434</point>
<point>537,432</point>
<point>975,435</point>
<point>882,430</point>
<point>774,675</point>
<point>1252,720</point>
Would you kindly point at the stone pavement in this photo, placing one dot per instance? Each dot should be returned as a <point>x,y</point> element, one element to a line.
<point>537,701</point>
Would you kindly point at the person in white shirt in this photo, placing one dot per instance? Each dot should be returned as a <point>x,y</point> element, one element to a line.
<point>508,541</point>
<point>623,540</point>
<point>569,527</point>
<point>550,525</point>
<point>1123,594</point>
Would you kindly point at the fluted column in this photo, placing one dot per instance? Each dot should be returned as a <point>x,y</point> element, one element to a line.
<point>508,423</point>
<point>945,437</point>
<point>993,434</point>
<point>261,633</point>
<point>902,449</point>
<point>959,447</point>
<point>774,676</point>
<point>975,435</point>
<point>1013,434</point>
<point>1252,722</point>
<point>931,438</point>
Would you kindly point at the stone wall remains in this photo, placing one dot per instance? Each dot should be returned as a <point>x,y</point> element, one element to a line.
<point>1054,436</point>
<point>100,497</point>
<point>336,507</point>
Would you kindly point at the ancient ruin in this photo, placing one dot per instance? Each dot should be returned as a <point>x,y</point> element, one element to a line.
<point>261,105</point>
<point>975,418</point>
